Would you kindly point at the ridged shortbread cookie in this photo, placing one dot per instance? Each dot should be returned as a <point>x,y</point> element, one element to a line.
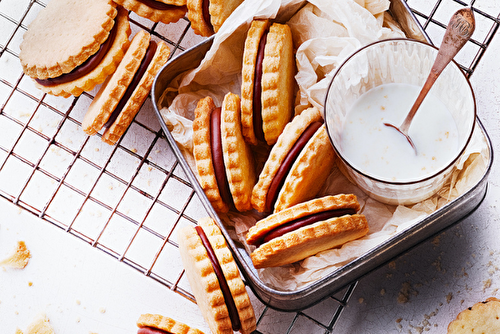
<point>309,172</point>
<point>279,152</point>
<point>156,323</point>
<point>203,155</point>
<point>482,317</point>
<point>122,95</point>
<point>226,173</point>
<point>238,157</point>
<point>71,55</point>
<point>306,229</point>
<point>267,81</point>
<point>206,23</point>
<point>167,11</point>
<point>207,287</point>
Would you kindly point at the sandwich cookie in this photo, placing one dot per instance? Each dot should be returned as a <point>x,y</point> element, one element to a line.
<point>165,11</point>
<point>297,166</point>
<point>215,280</point>
<point>482,317</point>
<point>267,81</point>
<point>71,47</point>
<point>158,324</point>
<point>224,161</point>
<point>207,16</point>
<point>121,96</point>
<point>306,229</point>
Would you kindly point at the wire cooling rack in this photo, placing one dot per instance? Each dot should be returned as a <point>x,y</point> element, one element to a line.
<point>128,200</point>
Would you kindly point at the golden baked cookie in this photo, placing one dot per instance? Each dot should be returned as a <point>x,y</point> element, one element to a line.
<point>238,158</point>
<point>208,23</point>
<point>121,96</point>
<point>309,172</point>
<point>252,41</point>
<point>167,11</point>
<point>203,155</point>
<point>267,81</point>
<point>147,324</point>
<point>138,96</point>
<point>226,172</point>
<point>62,55</point>
<point>279,152</point>
<point>306,229</point>
<point>482,317</point>
<point>222,315</point>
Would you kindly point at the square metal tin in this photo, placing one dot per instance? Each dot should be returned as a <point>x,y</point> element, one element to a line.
<point>349,273</point>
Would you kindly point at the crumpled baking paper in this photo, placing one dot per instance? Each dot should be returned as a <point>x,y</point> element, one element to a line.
<point>325,33</point>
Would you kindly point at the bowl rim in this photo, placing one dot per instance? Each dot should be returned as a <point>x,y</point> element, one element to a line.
<point>408,182</point>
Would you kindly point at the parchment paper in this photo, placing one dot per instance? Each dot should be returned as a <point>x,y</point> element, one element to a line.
<point>325,32</point>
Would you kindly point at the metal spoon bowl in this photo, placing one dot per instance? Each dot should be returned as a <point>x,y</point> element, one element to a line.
<point>458,32</point>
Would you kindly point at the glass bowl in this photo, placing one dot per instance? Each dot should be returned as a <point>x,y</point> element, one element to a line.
<point>405,63</point>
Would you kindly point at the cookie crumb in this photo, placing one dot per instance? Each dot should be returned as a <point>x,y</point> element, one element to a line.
<point>487,284</point>
<point>102,310</point>
<point>382,292</point>
<point>405,293</point>
<point>361,300</point>
<point>19,259</point>
<point>40,325</point>
<point>30,283</point>
<point>78,302</point>
<point>449,297</point>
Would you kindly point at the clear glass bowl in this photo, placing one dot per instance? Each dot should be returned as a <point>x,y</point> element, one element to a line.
<point>407,62</point>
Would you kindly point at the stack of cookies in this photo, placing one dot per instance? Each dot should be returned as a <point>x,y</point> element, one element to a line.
<point>70,48</point>
<point>229,139</point>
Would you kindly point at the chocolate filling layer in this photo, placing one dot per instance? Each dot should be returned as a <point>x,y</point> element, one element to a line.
<point>257,90</point>
<point>218,157</point>
<point>148,56</point>
<point>304,221</point>
<point>284,168</point>
<point>226,293</point>
<point>205,7</point>
<point>157,4</point>
<point>151,330</point>
<point>86,67</point>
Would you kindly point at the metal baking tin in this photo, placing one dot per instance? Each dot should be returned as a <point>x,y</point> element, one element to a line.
<point>349,273</point>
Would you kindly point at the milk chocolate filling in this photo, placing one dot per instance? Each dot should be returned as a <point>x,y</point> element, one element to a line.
<point>286,165</point>
<point>157,4</point>
<point>148,56</point>
<point>151,330</point>
<point>257,90</point>
<point>218,157</point>
<point>226,293</point>
<point>205,7</point>
<point>86,67</point>
<point>304,221</point>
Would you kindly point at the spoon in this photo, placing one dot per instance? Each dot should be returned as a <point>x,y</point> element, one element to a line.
<point>458,32</point>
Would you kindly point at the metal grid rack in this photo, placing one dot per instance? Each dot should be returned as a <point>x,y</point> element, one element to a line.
<point>129,199</point>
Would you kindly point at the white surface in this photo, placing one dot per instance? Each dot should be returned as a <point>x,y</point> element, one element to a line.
<point>83,290</point>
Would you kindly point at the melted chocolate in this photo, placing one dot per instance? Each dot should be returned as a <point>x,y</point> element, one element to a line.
<point>228,298</point>
<point>148,56</point>
<point>86,67</point>
<point>218,157</point>
<point>304,221</point>
<point>157,4</point>
<point>257,90</point>
<point>284,168</point>
<point>205,7</point>
<point>151,330</point>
